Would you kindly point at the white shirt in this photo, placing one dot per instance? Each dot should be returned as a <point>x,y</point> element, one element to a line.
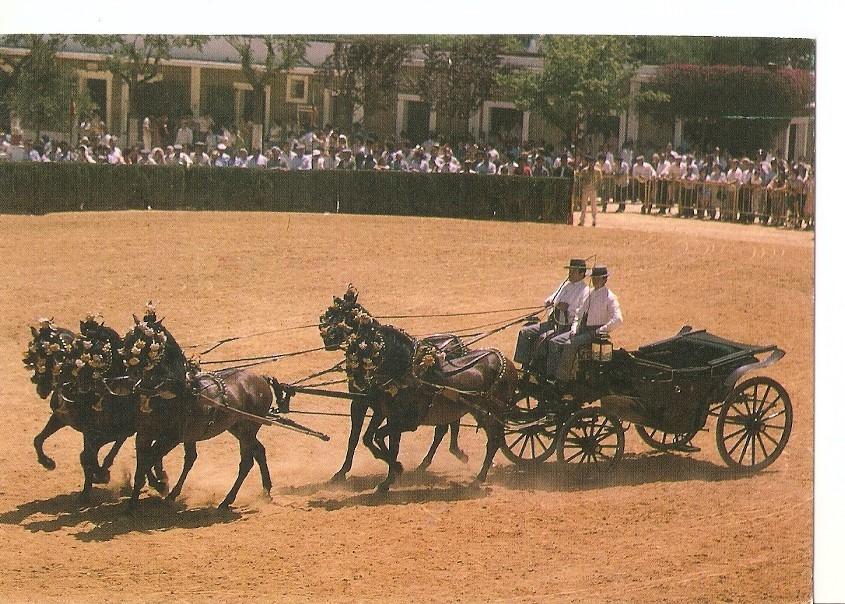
<point>571,294</point>
<point>643,171</point>
<point>184,136</point>
<point>301,163</point>
<point>601,309</point>
<point>734,176</point>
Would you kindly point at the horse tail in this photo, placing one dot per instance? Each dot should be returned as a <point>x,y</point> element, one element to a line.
<point>282,395</point>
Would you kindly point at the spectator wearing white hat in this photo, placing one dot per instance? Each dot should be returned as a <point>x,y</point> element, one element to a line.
<point>277,160</point>
<point>344,160</point>
<point>222,160</point>
<point>241,158</point>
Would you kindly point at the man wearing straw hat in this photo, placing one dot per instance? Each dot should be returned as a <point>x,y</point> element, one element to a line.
<point>599,315</point>
<point>563,305</point>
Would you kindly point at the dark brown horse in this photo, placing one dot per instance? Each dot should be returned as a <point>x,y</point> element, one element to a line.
<point>48,356</point>
<point>337,324</point>
<point>413,384</point>
<point>177,405</point>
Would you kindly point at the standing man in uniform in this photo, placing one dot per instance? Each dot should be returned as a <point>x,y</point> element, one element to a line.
<point>599,315</point>
<point>563,305</point>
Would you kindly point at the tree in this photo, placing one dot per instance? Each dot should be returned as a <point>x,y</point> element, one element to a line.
<point>41,89</point>
<point>135,60</point>
<point>700,50</point>
<point>583,78</point>
<point>280,54</point>
<point>459,72</point>
<point>366,69</point>
<point>12,65</point>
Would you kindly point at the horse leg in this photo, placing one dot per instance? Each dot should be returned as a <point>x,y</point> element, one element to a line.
<point>147,455</point>
<point>394,467</point>
<point>187,464</point>
<point>108,460</point>
<point>54,424</point>
<point>247,461</point>
<point>454,449</point>
<point>439,433</point>
<point>260,456</point>
<point>88,461</point>
<point>357,413</point>
<point>495,437</point>
<point>374,438</point>
<point>157,477</point>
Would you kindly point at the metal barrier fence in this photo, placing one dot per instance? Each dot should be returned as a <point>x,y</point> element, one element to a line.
<point>746,203</point>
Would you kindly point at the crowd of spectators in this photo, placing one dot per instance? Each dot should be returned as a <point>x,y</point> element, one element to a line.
<point>664,179</point>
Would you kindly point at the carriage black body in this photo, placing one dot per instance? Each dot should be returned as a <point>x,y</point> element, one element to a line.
<point>667,390</point>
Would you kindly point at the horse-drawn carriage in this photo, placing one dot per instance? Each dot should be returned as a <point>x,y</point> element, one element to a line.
<point>667,390</point>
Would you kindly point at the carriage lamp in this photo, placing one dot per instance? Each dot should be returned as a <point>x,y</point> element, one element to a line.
<point>602,348</point>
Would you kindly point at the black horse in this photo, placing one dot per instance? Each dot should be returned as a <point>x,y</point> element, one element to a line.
<point>337,324</point>
<point>180,404</point>
<point>412,384</point>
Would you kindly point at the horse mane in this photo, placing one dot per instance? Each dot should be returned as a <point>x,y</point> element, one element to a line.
<point>398,351</point>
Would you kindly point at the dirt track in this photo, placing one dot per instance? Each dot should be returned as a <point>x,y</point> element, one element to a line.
<point>666,528</point>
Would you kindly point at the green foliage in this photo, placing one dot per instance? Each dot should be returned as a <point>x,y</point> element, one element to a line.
<point>582,77</point>
<point>660,50</point>
<point>366,69</point>
<point>280,54</point>
<point>459,72</point>
<point>694,91</point>
<point>42,89</point>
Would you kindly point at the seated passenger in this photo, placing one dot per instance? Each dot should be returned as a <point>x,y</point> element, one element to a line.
<point>564,303</point>
<point>599,315</point>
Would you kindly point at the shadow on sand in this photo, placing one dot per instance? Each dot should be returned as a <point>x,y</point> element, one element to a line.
<point>632,470</point>
<point>106,516</point>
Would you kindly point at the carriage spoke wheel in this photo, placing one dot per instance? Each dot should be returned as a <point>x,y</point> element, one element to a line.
<point>591,436</point>
<point>663,441</point>
<point>754,424</point>
<point>535,443</point>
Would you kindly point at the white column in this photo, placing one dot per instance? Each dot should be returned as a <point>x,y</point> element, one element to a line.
<point>474,124</point>
<point>400,115</point>
<point>432,120</point>
<point>127,136</point>
<point>526,119</point>
<point>327,104</point>
<point>358,114</point>
<point>633,116</point>
<point>267,94</point>
<point>679,133</point>
<point>196,87</point>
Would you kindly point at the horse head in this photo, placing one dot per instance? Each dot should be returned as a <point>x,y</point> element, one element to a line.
<point>46,355</point>
<point>93,357</point>
<point>154,361</point>
<point>338,323</point>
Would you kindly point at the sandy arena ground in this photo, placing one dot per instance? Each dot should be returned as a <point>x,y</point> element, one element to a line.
<point>666,527</point>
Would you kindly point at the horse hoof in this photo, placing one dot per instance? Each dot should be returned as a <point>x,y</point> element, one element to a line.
<point>399,468</point>
<point>462,457</point>
<point>101,477</point>
<point>382,488</point>
<point>47,463</point>
<point>266,497</point>
<point>225,506</point>
<point>338,477</point>
<point>423,466</point>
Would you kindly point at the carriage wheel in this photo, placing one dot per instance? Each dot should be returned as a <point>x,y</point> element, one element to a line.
<point>591,436</point>
<point>663,441</point>
<point>527,445</point>
<point>754,424</point>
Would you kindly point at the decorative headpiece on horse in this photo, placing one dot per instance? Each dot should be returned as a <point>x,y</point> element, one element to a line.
<point>150,313</point>
<point>46,344</point>
<point>144,344</point>
<point>90,350</point>
<point>426,356</point>
<point>351,295</point>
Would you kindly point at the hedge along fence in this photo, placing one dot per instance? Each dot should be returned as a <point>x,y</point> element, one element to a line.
<point>39,188</point>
